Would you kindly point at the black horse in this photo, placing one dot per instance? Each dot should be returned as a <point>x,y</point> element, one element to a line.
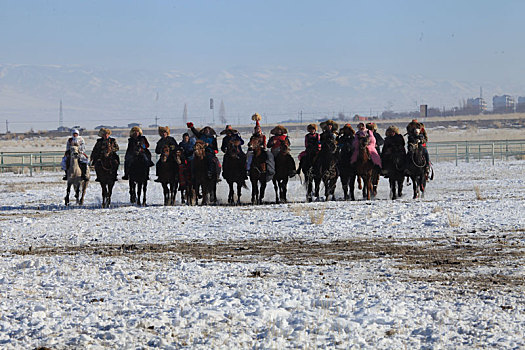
<point>310,180</point>
<point>326,167</point>
<point>138,177</point>
<point>347,171</point>
<point>106,167</point>
<point>395,168</point>
<point>168,174</point>
<point>415,168</point>
<point>284,168</point>
<point>234,171</point>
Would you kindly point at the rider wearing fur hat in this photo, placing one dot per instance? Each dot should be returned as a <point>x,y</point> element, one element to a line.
<point>379,139</point>
<point>417,135</point>
<point>165,140</point>
<point>232,136</point>
<point>312,144</point>
<point>103,144</point>
<point>345,137</point>
<point>394,144</point>
<point>209,137</point>
<point>329,128</point>
<point>76,140</point>
<point>136,142</point>
<point>258,139</point>
<point>372,150</point>
<point>279,137</point>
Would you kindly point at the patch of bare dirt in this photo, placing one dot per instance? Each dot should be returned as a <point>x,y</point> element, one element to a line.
<point>467,261</point>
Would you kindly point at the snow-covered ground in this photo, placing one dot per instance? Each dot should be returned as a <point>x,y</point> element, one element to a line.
<point>446,271</point>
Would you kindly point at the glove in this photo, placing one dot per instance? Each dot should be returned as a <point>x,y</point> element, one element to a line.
<point>172,147</point>
<point>189,125</point>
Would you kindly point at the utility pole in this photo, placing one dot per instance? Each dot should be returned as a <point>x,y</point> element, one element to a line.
<point>6,126</point>
<point>60,116</point>
<point>301,117</point>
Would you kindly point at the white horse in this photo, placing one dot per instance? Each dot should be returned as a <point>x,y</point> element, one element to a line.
<point>74,176</point>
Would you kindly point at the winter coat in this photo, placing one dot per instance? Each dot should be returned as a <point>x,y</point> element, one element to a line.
<point>312,142</point>
<point>187,148</point>
<point>79,141</point>
<point>134,146</point>
<point>393,145</point>
<point>414,138</point>
<point>101,147</point>
<point>232,138</point>
<point>379,141</point>
<point>257,139</point>
<point>209,140</point>
<point>344,143</point>
<point>374,156</point>
<point>170,141</point>
<point>275,141</point>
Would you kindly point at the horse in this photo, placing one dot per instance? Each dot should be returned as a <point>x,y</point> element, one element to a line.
<point>74,177</point>
<point>415,168</point>
<point>365,167</point>
<point>184,178</point>
<point>258,173</point>
<point>138,177</point>
<point>201,175</point>
<point>234,171</point>
<point>326,167</point>
<point>310,180</point>
<point>347,171</point>
<point>396,173</point>
<point>168,175</point>
<point>106,169</point>
<point>284,168</point>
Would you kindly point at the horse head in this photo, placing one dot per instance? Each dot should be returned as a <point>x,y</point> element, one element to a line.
<point>165,155</point>
<point>200,149</point>
<point>284,149</point>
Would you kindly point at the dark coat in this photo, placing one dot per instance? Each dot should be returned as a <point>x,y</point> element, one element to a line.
<point>232,138</point>
<point>135,144</point>
<point>101,147</point>
<point>393,145</point>
<point>170,141</point>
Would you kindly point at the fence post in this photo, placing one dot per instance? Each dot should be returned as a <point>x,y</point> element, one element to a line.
<point>466,152</point>
<point>2,161</point>
<point>31,164</point>
<point>507,149</point>
<point>479,152</point>
<point>492,153</point>
<point>23,162</point>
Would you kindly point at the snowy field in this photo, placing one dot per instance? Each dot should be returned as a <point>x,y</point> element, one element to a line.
<point>443,272</point>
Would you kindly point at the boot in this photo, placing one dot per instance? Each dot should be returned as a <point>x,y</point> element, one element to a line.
<point>65,176</point>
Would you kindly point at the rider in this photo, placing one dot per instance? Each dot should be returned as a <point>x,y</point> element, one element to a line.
<point>279,136</point>
<point>394,144</point>
<point>312,144</point>
<point>329,128</point>
<point>102,145</point>
<point>258,138</point>
<point>234,138</point>
<point>418,136</point>
<point>379,138</point>
<point>187,145</point>
<point>374,156</point>
<point>209,137</point>
<point>136,141</point>
<point>345,138</point>
<point>165,140</point>
<point>76,140</point>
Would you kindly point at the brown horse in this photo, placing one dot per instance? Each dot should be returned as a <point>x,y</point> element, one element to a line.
<point>184,173</point>
<point>200,175</point>
<point>284,168</point>
<point>167,171</point>
<point>106,169</point>
<point>258,174</point>
<point>74,177</point>
<point>365,167</point>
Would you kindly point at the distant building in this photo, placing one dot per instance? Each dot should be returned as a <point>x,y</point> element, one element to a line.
<point>503,104</point>
<point>130,125</point>
<point>359,118</point>
<point>476,105</point>
<point>521,105</point>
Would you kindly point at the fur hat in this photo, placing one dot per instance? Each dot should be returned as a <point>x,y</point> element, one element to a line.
<point>104,131</point>
<point>279,128</point>
<point>413,125</point>
<point>212,132</point>
<point>324,124</point>
<point>311,126</point>
<point>133,129</point>
<point>257,118</point>
<point>371,126</point>
<point>228,129</point>
<point>392,130</point>
<point>164,129</point>
<point>347,127</point>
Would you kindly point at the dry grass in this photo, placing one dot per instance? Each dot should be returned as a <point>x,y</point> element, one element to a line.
<point>453,219</point>
<point>315,214</point>
<point>479,197</point>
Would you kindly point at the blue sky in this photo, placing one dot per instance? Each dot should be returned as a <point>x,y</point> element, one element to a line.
<point>435,52</point>
<point>448,39</point>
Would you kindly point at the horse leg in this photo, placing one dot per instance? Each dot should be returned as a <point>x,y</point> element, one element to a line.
<point>239,189</point>
<point>166,192</point>
<point>359,185</point>
<point>423,184</point>
<point>415,187</point>
<point>230,193</point>
<point>68,190</point>
<point>284,189</point>
<point>132,192</point>
<point>309,188</point>
<point>254,191</point>
<point>262,190</point>
<point>77,193</point>
<point>400,187</point>
<point>392,188</point>
<point>352,186</point>
<point>174,188</point>
<point>317,183</point>
<point>144,190</point>
<point>276,189</point>
<point>369,188</point>
<point>84,186</point>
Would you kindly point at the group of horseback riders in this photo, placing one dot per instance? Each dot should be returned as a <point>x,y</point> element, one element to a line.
<point>346,139</point>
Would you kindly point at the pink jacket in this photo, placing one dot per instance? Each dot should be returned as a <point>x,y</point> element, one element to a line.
<point>376,159</point>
